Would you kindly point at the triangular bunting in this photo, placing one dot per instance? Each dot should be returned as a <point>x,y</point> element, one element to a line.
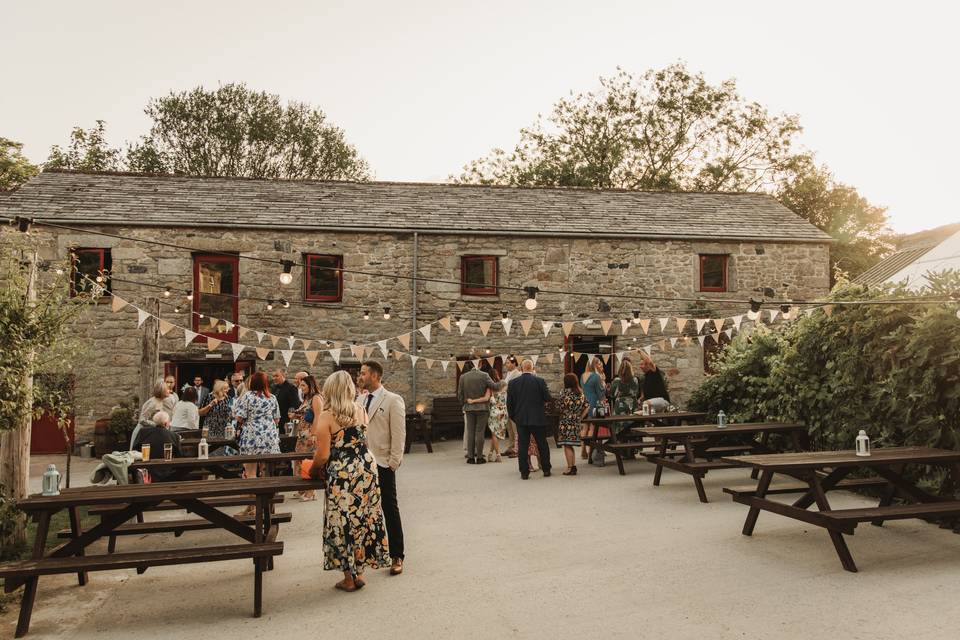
<point>404,340</point>
<point>188,336</point>
<point>444,364</point>
<point>335,354</point>
<point>737,320</point>
<point>681,323</point>
<point>645,325</point>
<point>311,356</point>
<point>460,364</point>
<point>567,328</point>
<point>673,342</point>
<point>507,324</point>
<point>262,352</point>
<point>548,358</point>
<point>241,331</point>
<point>649,349</point>
<point>357,351</point>
<point>700,322</point>
<point>425,331</point>
<point>729,333</point>
<point>287,355</point>
<point>476,363</point>
<point>485,326</point>
<point>229,325</point>
<point>213,321</point>
<point>260,335</point>
<point>808,312</point>
<point>429,362</point>
<point>462,324</point>
<point>525,324</point>
<point>237,349</point>
<point>141,317</point>
<point>624,326</point>
<point>117,303</point>
<point>492,360</point>
<point>445,322</point>
<point>547,325</point>
<point>274,339</point>
<point>663,324</point>
<point>533,359</point>
<point>718,323</point>
<point>702,339</point>
<point>605,357</point>
<point>213,344</point>
<point>291,341</point>
<point>828,310</point>
<point>773,314</point>
<point>165,327</point>
<point>605,325</point>
<point>398,355</point>
<point>383,348</point>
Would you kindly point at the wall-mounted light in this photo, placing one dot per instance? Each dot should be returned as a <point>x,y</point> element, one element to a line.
<point>286,277</point>
<point>386,313</point>
<point>531,302</point>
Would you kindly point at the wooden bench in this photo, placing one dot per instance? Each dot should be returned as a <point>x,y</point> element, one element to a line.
<point>855,483</point>
<point>618,449</point>
<point>217,503</point>
<point>418,429</point>
<point>446,416</point>
<point>922,510</point>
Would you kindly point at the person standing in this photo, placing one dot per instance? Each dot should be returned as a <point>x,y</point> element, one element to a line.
<point>386,438</point>
<point>236,385</point>
<point>498,417</point>
<point>354,535</point>
<point>473,385</point>
<point>312,407</point>
<point>297,379</point>
<point>258,415</point>
<point>288,396</point>
<point>171,401</point>
<point>513,372</point>
<point>654,388</point>
<point>573,409</point>
<point>216,413</point>
<point>527,397</point>
<point>203,393</point>
<point>595,391</point>
<point>186,416</point>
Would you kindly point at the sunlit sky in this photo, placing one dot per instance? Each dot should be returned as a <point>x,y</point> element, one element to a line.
<point>422,88</point>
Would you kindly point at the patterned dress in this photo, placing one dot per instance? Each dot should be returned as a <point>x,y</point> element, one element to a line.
<point>625,395</point>
<point>259,433</point>
<point>571,404</point>
<point>354,535</point>
<point>498,414</point>
<point>218,417</point>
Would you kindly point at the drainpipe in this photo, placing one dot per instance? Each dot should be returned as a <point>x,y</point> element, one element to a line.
<point>413,306</point>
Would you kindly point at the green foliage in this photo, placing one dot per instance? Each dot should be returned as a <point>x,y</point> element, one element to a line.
<point>123,419</point>
<point>235,131</point>
<point>88,151</point>
<point>15,169</point>
<point>9,516</point>
<point>890,369</point>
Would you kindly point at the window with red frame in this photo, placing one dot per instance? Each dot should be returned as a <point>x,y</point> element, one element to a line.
<point>713,273</point>
<point>323,278</point>
<point>92,263</point>
<point>215,284</point>
<point>478,275</point>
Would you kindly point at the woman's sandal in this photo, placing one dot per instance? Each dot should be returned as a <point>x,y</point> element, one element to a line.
<point>572,471</point>
<point>342,586</point>
<point>359,582</point>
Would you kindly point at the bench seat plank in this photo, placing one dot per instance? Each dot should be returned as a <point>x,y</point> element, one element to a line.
<point>898,512</point>
<point>177,526</point>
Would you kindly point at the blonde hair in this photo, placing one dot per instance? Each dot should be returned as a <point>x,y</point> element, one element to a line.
<point>219,387</point>
<point>339,393</point>
<point>597,366</point>
<point>160,390</point>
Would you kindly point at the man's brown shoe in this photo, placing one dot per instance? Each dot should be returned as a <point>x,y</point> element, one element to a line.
<point>397,567</point>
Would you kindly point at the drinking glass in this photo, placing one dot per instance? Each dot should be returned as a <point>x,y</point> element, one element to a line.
<point>168,451</point>
<point>145,450</point>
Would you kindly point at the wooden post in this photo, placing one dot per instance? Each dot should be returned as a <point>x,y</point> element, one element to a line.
<point>150,352</point>
<point>15,443</point>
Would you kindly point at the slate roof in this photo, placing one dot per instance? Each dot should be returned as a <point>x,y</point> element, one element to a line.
<point>124,199</point>
<point>910,248</point>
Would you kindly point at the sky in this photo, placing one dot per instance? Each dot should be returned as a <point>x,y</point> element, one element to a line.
<point>422,88</point>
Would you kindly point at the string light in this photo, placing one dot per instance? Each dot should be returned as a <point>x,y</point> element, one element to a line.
<point>286,277</point>
<point>269,305</point>
<point>754,309</point>
<point>176,309</point>
<point>190,295</point>
<point>785,309</point>
<point>386,313</point>
<point>166,292</point>
<point>285,303</point>
<point>636,316</point>
<point>531,302</point>
<point>504,314</point>
<point>366,315</point>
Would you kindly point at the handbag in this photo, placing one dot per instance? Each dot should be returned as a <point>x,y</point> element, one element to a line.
<point>305,466</point>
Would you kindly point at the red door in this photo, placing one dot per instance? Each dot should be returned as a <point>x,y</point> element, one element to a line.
<point>47,437</point>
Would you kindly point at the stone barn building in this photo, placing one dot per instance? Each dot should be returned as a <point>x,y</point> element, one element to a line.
<point>426,251</point>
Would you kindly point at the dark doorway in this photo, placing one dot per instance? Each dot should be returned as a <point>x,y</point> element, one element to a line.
<point>599,345</point>
<point>206,369</point>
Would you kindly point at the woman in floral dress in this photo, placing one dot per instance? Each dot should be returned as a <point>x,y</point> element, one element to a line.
<point>218,411</point>
<point>625,391</point>
<point>354,535</point>
<point>498,417</point>
<point>258,415</point>
<point>573,408</point>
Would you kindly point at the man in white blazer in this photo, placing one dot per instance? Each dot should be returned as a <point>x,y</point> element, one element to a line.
<point>386,437</point>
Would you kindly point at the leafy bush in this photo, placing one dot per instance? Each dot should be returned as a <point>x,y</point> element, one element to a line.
<point>890,369</point>
<point>123,419</point>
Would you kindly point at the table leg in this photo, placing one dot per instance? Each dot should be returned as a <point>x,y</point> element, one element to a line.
<point>754,512</point>
<point>659,471</point>
<point>888,494</point>
<point>825,485</point>
<point>75,530</point>
<point>30,587</point>
<point>763,447</point>
<point>835,536</point>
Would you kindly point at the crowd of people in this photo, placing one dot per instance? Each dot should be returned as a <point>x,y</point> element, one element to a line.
<point>356,431</point>
<point>513,409</point>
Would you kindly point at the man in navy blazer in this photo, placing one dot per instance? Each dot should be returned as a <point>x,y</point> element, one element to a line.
<point>527,396</point>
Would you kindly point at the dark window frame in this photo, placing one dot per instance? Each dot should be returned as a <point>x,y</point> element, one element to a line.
<point>312,297</point>
<point>230,336</point>
<point>492,290</point>
<point>726,264</point>
<point>106,264</point>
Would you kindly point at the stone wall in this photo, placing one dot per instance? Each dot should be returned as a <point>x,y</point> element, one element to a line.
<point>651,269</point>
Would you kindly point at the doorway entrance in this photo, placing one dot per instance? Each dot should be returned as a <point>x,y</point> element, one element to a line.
<point>599,345</point>
<point>209,370</point>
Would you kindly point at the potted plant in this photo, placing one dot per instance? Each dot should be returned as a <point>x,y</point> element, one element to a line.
<point>113,432</point>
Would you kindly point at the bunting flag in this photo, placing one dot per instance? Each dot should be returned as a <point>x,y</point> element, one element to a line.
<point>444,364</point>
<point>413,359</point>
<point>188,337</point>
<point>311,356</point>
<point>648,349</point>
<point>773,314</point>
<point>425,331</point>
<point>681,323</point>
<point>274,339</point>
<point>237,350</point>
<point>507,324</point>
<point>335,354</point>
<point>262,352</point>
<point>445,322</point>
<point>729,333</point>
<point>213,343</point>
<point>828,310</point>
<point>260,335</point>
<point>702,339</point>
<point>663,324</point>
<point>242,331</point>
<point>291,341</point>
<point>808,312</point>
<point>645,325</point>
<point>229,325</point>
<point>563,355</point>
<point>576,356</point>
<point>357,351</point>
<point>492,361</point>
<point>383,348</point>
<point>429,362</point>
<point>165,327</point>
<point>567,328</point>
<point>485,326</point>
<point>213,321</point>
<point>533,359</point>
<point>605,325</point>
<point>462,324</point>
<point>548,358</point>
<point>117,303</point>
<point>624,326</point>
<point>141,317</point>
<point>525,324</point>
<point>673,342</point>
<point>404,340</point>
<point>718,323</point>
<point>700,322</point>
<point>460,364</point>
<point>547,325</point>
<point>737,320</point>
<point>398,355</point>
<point>287,354</point>
<point>605,357</point>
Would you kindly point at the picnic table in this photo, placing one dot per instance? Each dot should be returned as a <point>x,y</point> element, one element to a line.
<point>258,533</point>
<point>619,445</point>
<point>822,471</point>
<point>222,466</point>
<point>287,444</point>
<point>704,444</point>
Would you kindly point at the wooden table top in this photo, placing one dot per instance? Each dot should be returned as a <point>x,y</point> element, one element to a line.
<point>821,459</point>
<point>712,429</point>
<point>219,442</point>
<point>221,460</point>
<point>159,491</point>
<point>637,417</point>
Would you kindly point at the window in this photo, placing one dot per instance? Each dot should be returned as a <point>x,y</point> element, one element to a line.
<point>713,273</point>
<point>90,263</point>
<point>478,275</point>
<point>215,280</point>
<point>323,278</point>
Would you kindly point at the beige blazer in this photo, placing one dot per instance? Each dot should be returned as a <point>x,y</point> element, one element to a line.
<point>387,429</point>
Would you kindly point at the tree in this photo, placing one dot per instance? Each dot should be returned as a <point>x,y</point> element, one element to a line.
<point>87,151</point>
<point>234,131</point>
<point>668,129</point>
<point>859,227</point>
<point>15,169</point>
<point>38,346</point>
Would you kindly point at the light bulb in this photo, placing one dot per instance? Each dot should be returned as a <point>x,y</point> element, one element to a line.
<point>286,278</point>
<point>753,314</point>
<point>386,313</point>
<point>166,292</point>
<point>366,315</point>
<point>269,305</point>
<point>285,303</point>
<point>190,295</point>
<point>59,271</point>
<point>530,304</point>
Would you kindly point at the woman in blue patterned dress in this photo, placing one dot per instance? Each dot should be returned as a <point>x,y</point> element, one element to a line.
<point>258,415</point>
<point>354,535</point>
<point>218,410</point>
